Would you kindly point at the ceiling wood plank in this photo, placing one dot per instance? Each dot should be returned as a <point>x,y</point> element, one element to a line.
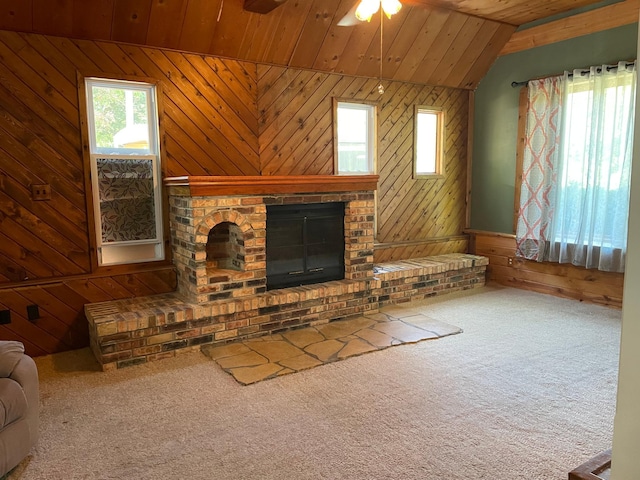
<point>53,17</point>
<point>130,21</point>
<point>16,16</point>
<point>230,30</point>
<point>456,23</point>
<point>370,65</point>
<point>514,12</point>
<point>466,37</point>
<point>471,53</point>
<point>165,23</point>
<point>199,26</point>
<point>336,40</point>
<point>260,36</point>
<point>262,6</point>
<point>421,43</point>
<point>92,19</point>
<point>314,32</point>
<point>612,16</point>
<point>424,40</point>
<point>363,36</point>
<point>288,32</point>
<point>487,57</point>
<point>397,52</point>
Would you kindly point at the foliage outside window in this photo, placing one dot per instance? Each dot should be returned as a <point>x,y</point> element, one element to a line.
<point>355,138</point>
<point>575,186</point>
<point>125,170</point>
<point>428,140</point>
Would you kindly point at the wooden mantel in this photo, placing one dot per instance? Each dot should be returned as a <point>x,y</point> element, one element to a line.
<point>203,186</point>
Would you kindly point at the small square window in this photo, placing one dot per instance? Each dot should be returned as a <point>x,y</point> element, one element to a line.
<point>354,130</point>
<point>429,134</point>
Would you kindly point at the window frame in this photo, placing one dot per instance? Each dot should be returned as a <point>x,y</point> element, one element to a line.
<point>439,141</point>
<point>92,154</point>
<point>372,135</point>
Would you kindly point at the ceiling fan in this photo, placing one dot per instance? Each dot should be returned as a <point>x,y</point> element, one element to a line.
<point>363,10</point>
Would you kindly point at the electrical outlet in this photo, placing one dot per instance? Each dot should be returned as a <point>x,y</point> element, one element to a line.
<point>33,312</point>
<point>510,261</point>
<point>5,317</point>
<point>41,192</point>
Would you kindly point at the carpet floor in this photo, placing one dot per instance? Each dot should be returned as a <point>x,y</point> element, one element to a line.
<point>526,392</point>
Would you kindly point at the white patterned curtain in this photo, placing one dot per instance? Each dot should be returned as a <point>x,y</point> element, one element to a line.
<point>539,167</point>
<point>575,209</point>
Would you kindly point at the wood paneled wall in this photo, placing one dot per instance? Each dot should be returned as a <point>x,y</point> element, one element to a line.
<point>218,117</point>
<point>62,324</point>
<point>564,280</point>
<point>296,138</point>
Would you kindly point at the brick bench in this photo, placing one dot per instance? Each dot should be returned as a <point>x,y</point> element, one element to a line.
<point>142,329</point>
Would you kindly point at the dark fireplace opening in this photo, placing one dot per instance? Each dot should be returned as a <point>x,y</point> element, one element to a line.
<point>305,244</point>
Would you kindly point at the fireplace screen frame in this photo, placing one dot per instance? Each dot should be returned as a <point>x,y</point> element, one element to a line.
<point>316,231</point>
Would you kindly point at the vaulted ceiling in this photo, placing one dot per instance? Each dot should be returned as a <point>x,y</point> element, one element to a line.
<point>437,42</point>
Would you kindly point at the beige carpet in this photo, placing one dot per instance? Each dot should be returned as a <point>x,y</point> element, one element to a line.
<point>526,392</point>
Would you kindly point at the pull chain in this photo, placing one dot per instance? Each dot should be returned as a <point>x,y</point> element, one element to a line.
<point>380,86</point>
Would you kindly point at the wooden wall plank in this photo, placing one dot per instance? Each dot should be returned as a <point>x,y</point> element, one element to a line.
<point>564,280</point>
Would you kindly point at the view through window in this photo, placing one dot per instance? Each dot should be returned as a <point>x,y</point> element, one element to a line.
<point>355,137</point>
<point>125,170</point>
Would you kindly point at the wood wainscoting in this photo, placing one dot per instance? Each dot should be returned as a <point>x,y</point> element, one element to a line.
<point>564,280</point>
<point>61,324</point>
<point>390,252</point>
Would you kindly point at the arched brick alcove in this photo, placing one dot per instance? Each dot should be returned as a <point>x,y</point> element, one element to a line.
<point>225,247</point>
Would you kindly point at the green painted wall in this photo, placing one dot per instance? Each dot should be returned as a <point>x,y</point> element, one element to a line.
<point>496,115</point>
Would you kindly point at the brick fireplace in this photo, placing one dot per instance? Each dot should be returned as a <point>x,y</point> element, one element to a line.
<point>218,228</point>
<point>218,235</point>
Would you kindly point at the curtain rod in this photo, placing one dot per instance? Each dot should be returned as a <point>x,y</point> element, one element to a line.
<point>582,72</point>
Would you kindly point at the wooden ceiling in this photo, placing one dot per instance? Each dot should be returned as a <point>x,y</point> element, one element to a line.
<point>435,42</point>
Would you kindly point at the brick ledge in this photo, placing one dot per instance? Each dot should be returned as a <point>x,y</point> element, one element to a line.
<point>137,330</point>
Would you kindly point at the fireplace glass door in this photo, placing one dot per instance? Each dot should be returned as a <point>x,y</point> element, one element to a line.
<point>305,244</point>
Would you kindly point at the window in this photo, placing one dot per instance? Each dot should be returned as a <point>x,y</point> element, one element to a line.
<point>574,196</point>
<point>125,170</point>
<point>428,140</point>
<point>355,134</point>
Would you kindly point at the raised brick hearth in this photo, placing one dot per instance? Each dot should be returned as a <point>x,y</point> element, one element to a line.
<point>219,249</point>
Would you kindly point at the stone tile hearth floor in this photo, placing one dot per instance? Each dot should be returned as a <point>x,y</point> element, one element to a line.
<point>270,356</point>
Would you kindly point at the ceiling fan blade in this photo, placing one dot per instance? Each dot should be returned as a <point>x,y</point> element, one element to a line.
<point>349,20</point>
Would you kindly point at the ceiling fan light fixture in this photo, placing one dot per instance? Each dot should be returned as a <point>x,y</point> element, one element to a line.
<point>390,7</point>
<point>366,9</point>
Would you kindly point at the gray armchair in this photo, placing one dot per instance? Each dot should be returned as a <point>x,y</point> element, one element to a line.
<point>19,405</point>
